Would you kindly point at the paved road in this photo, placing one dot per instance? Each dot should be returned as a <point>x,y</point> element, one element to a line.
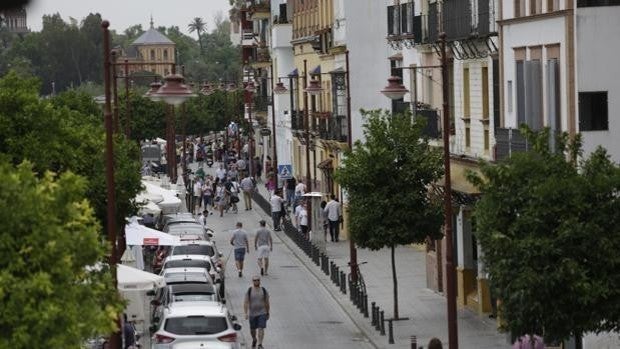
<point>303,313</point>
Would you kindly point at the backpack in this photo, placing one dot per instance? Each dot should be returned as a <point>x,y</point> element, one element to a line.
<point>250,299</point>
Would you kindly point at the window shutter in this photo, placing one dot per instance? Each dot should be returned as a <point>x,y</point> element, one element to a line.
<point>536,73</point>
<point>403,19</point>
<point>521,112</point>
<point>390,20</point>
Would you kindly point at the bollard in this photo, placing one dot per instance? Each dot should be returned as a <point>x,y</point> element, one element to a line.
<point>382,320</point>
<point>414,342</point>
<point>390,332</point>
<point>377,319</point>
<point>365,304</point>
<point>351,290</point>
<point>336,276</point>
<point>373,318</point>
<point>343,282</point>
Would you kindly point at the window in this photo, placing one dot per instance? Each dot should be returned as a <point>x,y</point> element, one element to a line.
<point>466,105</point>
<point>152,55</point>
<point>485,93</point>
<point>486,139</point>
<point>467,134</point>
<point>509,98</point>
<point>165,54</point>
<point>519,8</point>
<point>535,7</point>
<point>593,111</point>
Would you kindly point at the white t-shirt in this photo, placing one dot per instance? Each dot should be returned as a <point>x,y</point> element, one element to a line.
<point>300,189</point>
<point>197,189</point>
<point>220,173</point>
<point>303,216</point>
<point>276,203</point>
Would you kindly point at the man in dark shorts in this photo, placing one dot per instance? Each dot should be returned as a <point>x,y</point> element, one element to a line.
<point>256,308</point>
<point>240,243</point>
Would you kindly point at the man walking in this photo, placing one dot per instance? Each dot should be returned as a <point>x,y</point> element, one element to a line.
<point>240,243</point>
<point>247,186</point>
<point>256,307</point>
<point>276,210</point>
<point>263,246</point>
<point>197,193</point>
<point>332,209</point>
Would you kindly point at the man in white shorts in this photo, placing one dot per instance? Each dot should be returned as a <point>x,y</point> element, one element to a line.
<point>263,246</point>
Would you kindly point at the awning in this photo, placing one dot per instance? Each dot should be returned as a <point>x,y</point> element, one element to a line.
<point>463,192</point>
<point>294,73</point>
<point>136,234</point>
<point>316,70</point>
<point>132,279</point>
<point>396,57</point>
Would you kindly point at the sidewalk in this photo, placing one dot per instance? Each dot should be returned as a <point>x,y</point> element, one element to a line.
<point>425,309</point>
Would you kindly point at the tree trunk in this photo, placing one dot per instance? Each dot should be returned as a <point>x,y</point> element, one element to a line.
<point>395,281</point>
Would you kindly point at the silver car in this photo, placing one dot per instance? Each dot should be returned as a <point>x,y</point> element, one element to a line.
<point>185,325</point>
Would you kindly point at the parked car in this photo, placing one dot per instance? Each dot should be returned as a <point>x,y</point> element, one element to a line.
<point>199,247</point>
<point>187,276</point>
<point>175,216</point>
<point>199,261</point>
<point>189,228</point>
<point>181,293</point>
<point>195,325</point>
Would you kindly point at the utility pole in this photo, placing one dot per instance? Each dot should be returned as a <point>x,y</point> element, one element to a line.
<point>352,249</point>
<point>307,128</point>
<point>450,287</point>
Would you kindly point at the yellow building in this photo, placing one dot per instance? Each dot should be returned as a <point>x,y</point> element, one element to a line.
<point>154,50</point>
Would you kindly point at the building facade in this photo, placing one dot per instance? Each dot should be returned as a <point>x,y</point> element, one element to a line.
<point>14,20</point>
<point>151,52</point>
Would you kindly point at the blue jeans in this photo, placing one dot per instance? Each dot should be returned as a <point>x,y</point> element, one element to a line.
<point>290,196</point>
<point>276,219</point>
<point>334,230</point>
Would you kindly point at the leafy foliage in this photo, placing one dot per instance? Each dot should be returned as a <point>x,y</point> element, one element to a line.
<point>387,179</point>
<point>550,234</point>
<point>49,237</point>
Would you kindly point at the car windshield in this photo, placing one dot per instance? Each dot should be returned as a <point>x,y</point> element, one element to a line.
<point>195,298</point>
<point>185,228</point>
<point>188,263</point>
<point>204,250</point>
<point>196,325</point>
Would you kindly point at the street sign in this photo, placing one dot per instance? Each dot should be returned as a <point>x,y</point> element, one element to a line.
<point>265,132</point>
<point>285,171</point>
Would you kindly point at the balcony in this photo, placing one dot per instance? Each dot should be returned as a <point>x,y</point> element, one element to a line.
<point>457,21</point>
<point>433,23</point>
<point>333,128</point>
<point>248,38</point>
<point>261,59</point>
<point>432,128</point>
<point>297,120</point>
<point>507,142</point>
<point>259,9</point>
<point>486,19</point>
<point>261,103</point>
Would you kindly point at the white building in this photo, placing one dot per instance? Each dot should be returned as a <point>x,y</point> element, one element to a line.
<point>598,89</point>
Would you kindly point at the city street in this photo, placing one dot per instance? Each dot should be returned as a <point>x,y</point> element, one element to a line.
<point>303,313</point>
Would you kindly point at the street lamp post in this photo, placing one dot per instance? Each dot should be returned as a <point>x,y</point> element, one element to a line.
<point>395,90</point>
<point>115,338</point>
<point>307,128</point>
<point>250,89</point>
<point>273,126</point>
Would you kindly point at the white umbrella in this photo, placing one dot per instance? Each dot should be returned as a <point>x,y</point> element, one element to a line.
<point>132,279</point>
<point>136,234</point>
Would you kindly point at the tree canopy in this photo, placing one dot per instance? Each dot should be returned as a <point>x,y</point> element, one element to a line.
<point>387,179</point>
<point>549,229</point>
<point>49,237</point>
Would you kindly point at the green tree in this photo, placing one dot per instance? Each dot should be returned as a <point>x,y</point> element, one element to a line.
<point>549,229</point>
<point>387,180</point>
<point>199,26</point>
<point>49,238</point>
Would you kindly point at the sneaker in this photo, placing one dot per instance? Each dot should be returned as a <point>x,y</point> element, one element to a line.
<point>253,343</point>
<point>240,273</point>
<point>262,271</point>
<point>260,346</point>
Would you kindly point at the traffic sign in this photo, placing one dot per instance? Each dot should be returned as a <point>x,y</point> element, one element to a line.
<point>285,171</point>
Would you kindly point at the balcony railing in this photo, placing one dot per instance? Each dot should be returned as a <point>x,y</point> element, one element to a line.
<point>433,23</point>
<point>333,128</point>
<point>297,120</point>
<point>486,18</point>
<point>457,19</point>
<point>261,103</point>
<point>431,116</point>
<point>507,142</point>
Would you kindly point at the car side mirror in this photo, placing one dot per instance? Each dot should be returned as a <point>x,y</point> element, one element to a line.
<point>150,293</point>
<point>156,320</point>
<point>153,328</point>
<point>237,327</point>
<point>155,302</point>
<point>210,234</point>
<point>233,318</point>
<point>223,301</point>
<point>220,254</point>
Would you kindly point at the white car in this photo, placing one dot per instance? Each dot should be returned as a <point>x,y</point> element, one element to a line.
<point>187,276</point>
<point>197,261</point>
<point>187,325</point>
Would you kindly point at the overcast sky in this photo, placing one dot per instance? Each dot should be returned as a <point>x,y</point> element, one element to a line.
<point>125,13</point>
